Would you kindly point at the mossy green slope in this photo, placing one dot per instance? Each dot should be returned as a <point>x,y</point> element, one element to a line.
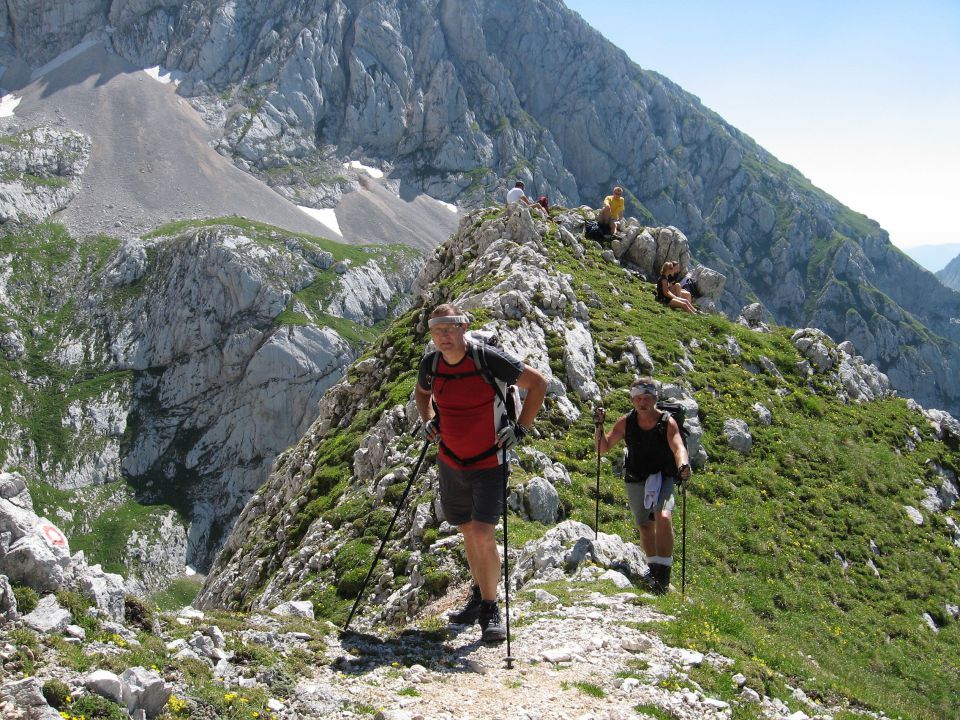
<point>802,563</point>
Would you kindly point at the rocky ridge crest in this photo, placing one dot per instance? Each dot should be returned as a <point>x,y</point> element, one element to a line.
<point>504,270</point>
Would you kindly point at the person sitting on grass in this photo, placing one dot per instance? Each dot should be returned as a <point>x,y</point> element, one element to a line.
<point>676,285</point>
<point>665,293</point>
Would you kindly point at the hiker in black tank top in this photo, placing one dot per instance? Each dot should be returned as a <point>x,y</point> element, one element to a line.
<point>656,459</point>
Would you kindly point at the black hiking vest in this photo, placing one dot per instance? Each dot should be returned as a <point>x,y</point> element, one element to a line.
<point>648,451</point>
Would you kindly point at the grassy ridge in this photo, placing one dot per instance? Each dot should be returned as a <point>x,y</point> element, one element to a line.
<point>779,541</point>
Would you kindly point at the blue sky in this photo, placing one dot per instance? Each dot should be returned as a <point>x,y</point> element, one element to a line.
<point>862,97</point>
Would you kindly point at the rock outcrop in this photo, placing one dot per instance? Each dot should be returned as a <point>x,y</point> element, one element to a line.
<point>40,172</point>
<point>35,553</point>
<point>181,364</point>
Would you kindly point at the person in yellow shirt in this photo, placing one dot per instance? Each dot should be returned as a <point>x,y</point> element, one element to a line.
<point>612,212</point>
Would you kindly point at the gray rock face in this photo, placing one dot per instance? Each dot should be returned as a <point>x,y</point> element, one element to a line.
<point>950,275</point>
<point>8,602</point>
<point>738,435</point>
<point>40,170</point>
<point>48,616</point>
<point>440,96</point>
<point>203,380</point>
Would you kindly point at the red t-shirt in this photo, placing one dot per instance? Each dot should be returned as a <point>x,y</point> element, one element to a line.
<point>467,423</point>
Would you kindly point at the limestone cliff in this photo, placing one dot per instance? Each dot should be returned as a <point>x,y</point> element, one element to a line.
<point>181,363</point>
<point>457,98</point>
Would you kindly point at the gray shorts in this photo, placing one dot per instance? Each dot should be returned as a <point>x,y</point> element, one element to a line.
<point>665,501</point>
<point>467,495</point>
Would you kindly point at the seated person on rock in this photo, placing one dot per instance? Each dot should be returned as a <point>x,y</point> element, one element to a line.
<point>677,285</point>
<point>611,213</point>
<point>665,293</point>
<point>516,195</point>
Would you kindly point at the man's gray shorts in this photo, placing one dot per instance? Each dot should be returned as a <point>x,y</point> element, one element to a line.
<point>665,501</point>
<point>467,495</point>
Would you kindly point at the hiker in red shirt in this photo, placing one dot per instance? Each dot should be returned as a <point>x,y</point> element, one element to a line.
<point>475,434</point>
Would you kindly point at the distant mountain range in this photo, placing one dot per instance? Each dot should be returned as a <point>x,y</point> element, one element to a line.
<point>934,257</point>
<point>447,99</point>
<point>950,275</point>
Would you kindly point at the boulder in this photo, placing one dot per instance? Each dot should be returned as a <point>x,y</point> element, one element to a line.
<point>27,695</point>
<point>34,561</point>
<point>580,361</point>
<point>709,283</point>
<point>541,500</point>
<point>814,345</point>
<point>641,356</point>
<point>295,608</point>
<point>105,684</point>
<point>763,414</point>
<point>16,507</point>
<point>738,435</point>
<point>145,690</point>
<point>106,590</point>
<point>564,548</point>
<point>753,316</point>
<point>48,616</point>
<point>8,601</point>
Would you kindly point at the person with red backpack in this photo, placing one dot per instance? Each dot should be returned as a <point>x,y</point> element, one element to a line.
<point>656,459</point>
<point>463,399</point>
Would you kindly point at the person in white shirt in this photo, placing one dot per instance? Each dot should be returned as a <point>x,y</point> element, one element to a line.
<point>516,195</point>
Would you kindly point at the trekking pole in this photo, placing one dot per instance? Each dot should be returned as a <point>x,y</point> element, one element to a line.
<point>683,533</point>
<point>506,556</point>
<point>386,535</point>
<point>596,512</point>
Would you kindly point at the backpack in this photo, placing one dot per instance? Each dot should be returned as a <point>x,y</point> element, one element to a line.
<point>679,413</point>
<point>507,404</point>
<point>593,231</point>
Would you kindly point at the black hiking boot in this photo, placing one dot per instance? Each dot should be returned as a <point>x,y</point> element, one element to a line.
<point>662,576</point>
<point>491,622</point>
<point>469,613</point>
<point>651,577</point>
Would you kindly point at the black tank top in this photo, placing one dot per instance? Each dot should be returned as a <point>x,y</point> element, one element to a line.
<point>661,296</point>
<point>648,451</point>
